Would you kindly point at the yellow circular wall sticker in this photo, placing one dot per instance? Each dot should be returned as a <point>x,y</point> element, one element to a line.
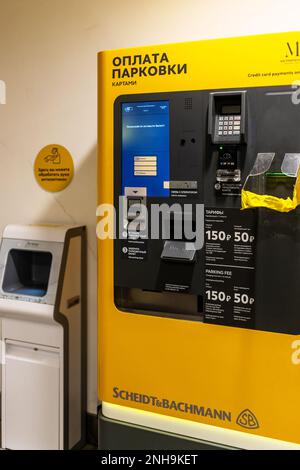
<point>54,168</point>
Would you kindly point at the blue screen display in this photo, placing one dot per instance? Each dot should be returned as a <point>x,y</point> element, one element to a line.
<point>146,147</point>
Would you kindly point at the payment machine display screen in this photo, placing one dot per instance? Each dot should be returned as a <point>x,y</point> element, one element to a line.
<point>146,147</point>
<point>233,109</point>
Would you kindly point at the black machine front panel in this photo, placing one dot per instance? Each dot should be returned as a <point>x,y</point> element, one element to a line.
<point>197,148</point>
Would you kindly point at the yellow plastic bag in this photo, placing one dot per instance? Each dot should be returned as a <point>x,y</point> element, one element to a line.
<point>252,200</point>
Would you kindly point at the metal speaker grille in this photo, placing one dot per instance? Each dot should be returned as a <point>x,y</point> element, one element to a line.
<point>188,103</point>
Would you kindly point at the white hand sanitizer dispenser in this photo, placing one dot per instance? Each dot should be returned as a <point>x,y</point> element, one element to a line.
<point>43,313</point>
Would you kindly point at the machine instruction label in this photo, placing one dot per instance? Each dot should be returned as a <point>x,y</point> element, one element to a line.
<point>230,267</point>
<point>230,189</point>
<point>136,250</point>
<point>179,288</point>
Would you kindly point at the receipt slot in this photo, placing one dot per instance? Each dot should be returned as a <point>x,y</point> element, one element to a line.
<point>43,313</point>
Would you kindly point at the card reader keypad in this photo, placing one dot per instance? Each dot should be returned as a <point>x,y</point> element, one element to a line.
<point>228,125</point>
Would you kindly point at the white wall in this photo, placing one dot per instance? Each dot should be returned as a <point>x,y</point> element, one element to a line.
<point>48,61</point>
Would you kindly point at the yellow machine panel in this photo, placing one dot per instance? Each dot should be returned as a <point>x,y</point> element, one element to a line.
<point>211,337</point>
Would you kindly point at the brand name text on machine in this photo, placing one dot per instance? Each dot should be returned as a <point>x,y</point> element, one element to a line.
<point>172,405</point>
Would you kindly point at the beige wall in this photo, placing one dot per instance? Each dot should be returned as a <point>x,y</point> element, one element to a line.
<point>48,61</point>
